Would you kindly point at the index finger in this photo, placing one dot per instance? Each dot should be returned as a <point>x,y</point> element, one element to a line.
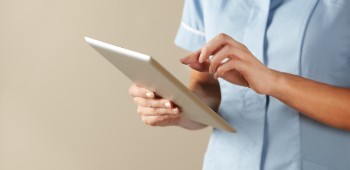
<point>137,91</point>
<point>212,46</point>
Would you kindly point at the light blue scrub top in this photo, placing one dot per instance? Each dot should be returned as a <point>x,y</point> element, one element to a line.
<point>310,38</point>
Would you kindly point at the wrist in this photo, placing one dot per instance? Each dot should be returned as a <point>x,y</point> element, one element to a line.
<point>208,93</point>
<point>276,82</point>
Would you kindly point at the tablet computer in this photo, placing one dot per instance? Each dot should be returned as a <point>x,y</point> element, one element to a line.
<point>143,70</point>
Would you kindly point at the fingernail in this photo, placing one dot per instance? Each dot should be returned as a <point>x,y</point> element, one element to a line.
<point>149,95</point>
<point>200,59</point>
<point>176,110</point>
<point>167,104</point>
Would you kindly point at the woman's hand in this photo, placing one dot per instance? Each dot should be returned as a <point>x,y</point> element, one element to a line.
<point>240,67</point>
<point>324,103</point>
<point>154,111</point>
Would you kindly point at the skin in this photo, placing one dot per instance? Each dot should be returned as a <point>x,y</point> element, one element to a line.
<point>154,111</point>
<point>324,103</point>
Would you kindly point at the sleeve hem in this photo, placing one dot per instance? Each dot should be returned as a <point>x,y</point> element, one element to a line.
<point>189,38</point>
<point>191,29</point>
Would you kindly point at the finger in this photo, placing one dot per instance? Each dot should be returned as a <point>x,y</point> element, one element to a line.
<point>201,67</point>
<point>148,111</point>
<point>226,52</point>
<point>154,103</point>
<point>213,45</point>
<point>191,58</point>
<point>137,91</point>
<point>192,61</point>
<point>217,59</point>
<point>169,120</point>
<point>164,120</point>
<point>233,64</point>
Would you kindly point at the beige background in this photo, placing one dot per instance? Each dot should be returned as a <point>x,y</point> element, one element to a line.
<point>62,106</point>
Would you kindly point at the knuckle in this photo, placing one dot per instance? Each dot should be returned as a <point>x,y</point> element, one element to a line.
<point>151,123</point>
<point>227,49</point>
<point>138,100</point>
<point>148,103</point>
<point>159,103</point>
<point>131,89</point>
<point>165,111</point>
<point>147,121</point>
<point>135,100</point>
<point>215,63</point>
<point>144,120</point>
<point>161,118</point>
<point>160,111</point>
<point>135,91</point>
<point>156,104</point>
<point>162,102</point>
<point>140,93</point>
<point>222,36</point>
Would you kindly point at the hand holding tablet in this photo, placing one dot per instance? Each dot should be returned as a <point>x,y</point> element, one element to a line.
<point>157,111</point>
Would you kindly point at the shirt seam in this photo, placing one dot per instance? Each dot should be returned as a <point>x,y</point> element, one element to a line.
<point>192,30</point>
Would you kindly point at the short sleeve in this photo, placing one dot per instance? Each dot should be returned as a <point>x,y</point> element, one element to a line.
<point>191,34</point>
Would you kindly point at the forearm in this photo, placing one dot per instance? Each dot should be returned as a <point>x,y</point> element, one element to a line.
<point>324,103</point>
<point>208,90</point>
<point>205,87</point>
